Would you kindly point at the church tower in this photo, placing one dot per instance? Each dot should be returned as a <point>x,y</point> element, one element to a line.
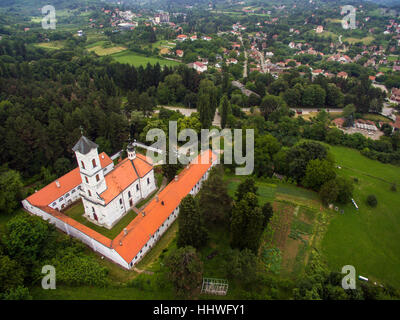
<point>131,150</point>
<point>93,181</point>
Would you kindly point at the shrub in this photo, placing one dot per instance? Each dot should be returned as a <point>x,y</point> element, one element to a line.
<point>372,201</point>
<point>393,187</point>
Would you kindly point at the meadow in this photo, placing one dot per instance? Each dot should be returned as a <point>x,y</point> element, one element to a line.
<point>138,60</point>
<point>367,238</point>
<point>104,48</point>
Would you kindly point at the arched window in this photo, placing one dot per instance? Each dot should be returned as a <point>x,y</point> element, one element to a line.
<point>90,194</point>
<point>83,165</point>
<point>87,180</point>
<point>97,178</point>
<point>94,163</point>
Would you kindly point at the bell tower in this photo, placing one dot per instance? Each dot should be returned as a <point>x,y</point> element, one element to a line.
<point>90,168</point>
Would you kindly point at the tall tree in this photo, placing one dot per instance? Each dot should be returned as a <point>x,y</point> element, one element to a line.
<point>10,191</point>
<point>191,224</point>
<point>248,185</point>
<point>185,271</point>
<point>225,110</point>
<point>247,223</point>
<point>215,203</point>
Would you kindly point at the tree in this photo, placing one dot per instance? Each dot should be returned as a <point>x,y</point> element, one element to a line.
<point>271,103</point>
<point>215,203</point>
<point>372,201</point>
<point>10,191</point>
<point>329,192</point>
<point>334,97</point>
<point>169,169</point>
<point>267,212</point>
<point>17,293</point>
<point>346,189</point>
<point>317,173</point>
<point>225,110</point>
<point>191,224</point>
<point>314,96</point>
<point>248,185</point>
<point>11,274</point>
<point>62,166</point>
<point>242,265</point>
<point>26,237</point>
<point>185,271</point>
<point>266,146</point>
<point>247,223</point>
<point>298,157</point>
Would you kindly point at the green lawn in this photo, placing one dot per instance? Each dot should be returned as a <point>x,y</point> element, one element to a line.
<point>368,239</point>
<point>138,60</point>
<point>76,212</point>
<point>94,293</point>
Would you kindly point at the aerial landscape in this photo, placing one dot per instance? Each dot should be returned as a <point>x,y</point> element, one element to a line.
<point>199,150</point>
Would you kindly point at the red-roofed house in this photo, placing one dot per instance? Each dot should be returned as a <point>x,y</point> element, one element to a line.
<point>181,37</point>
<point>339,122</point>
<point>200,67</point>
<point>342,74</point>
<point>179,53</point>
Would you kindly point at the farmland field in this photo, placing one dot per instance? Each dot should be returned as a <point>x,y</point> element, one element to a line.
<point>102,48</point>
<point>365,40</point>
<point>368,238</point>
<point>138,60</point>
<point>51,45</point>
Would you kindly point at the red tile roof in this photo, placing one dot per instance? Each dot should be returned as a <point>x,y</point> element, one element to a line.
<point>142,228</point>
<point>72,179</point>
<point>124,174</point>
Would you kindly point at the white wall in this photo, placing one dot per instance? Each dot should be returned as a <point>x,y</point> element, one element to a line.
<point>73,232</point>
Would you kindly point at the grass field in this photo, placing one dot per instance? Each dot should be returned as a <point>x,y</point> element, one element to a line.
<point>368,238</point>
<point>76,212</point>
<point>138,60</point>
<point>104,48</point>
<point>58,44</point>
<point>365,40</point>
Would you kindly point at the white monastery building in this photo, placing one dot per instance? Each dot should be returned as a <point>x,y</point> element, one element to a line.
<point>108,192</point>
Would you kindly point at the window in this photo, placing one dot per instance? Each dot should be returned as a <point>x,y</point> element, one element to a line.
<point>97,178</point>
<point>79,187</point>
<point>73,191</point>
<point>54,203</point>
<point>137,187</point>
<point>61,199</point>
<point>87,180</point>
<point>148,180</point>
<point>93,210</point>
<point>67,195</point>
<point>83,165</point>
<point>120,201</point>
<point>129,194</point>
<point>90,194</point>
<point>94,163</point>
